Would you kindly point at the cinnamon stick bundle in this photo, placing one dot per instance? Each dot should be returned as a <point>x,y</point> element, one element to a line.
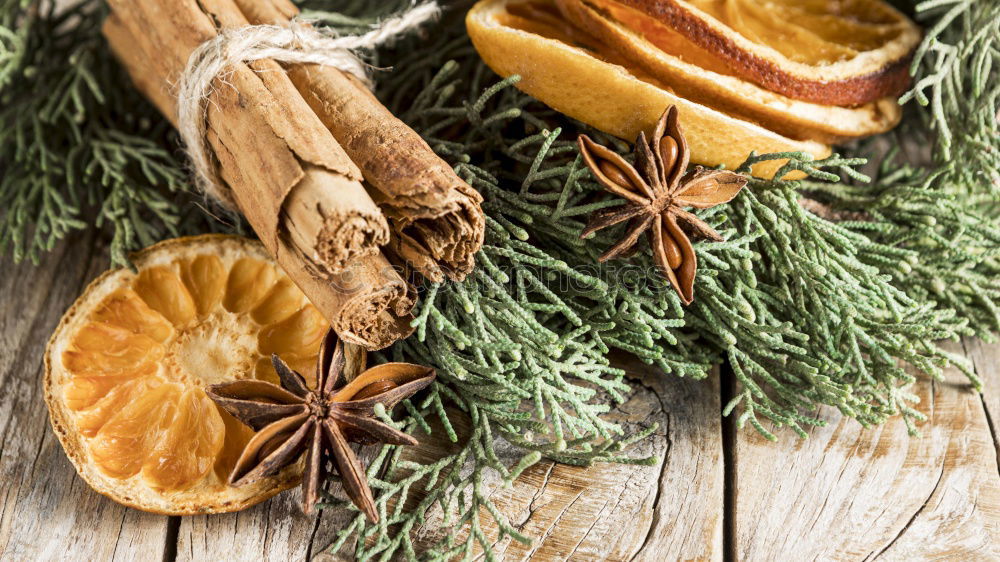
<point>435,217</point>
<point>296,185</point>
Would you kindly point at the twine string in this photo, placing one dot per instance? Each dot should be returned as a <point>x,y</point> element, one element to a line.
<point>296,42</point>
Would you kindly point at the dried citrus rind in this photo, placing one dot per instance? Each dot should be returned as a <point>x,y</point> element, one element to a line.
<point>834,52</point>
<point>559,67</point>
<point>651,47</point>
<point>127,367</point>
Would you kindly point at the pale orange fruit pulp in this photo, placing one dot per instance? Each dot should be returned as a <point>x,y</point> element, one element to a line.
<point>129,363</point>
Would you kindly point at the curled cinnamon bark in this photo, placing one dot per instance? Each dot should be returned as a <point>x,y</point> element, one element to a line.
<point>297,187</point>
<point>435,217</point>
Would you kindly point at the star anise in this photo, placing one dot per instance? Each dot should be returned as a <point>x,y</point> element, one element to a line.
<point>656,189</point>
<point>293,419</point>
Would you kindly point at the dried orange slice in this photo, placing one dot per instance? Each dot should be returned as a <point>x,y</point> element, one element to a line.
<point>670,58</point>
<point>126,369</point>
<point>563,67</point>
<point>833,52</point>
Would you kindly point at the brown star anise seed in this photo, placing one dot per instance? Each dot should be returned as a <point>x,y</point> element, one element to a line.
<point>293,419</point>
<point>655,191</point>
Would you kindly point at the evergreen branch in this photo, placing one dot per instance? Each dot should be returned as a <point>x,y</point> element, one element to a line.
<point>73,153</point>
<point>955,85</point>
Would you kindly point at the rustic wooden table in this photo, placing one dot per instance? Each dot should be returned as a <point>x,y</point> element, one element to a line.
<point>843,494</point>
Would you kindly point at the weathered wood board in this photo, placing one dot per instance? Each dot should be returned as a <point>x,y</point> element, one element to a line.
<point>619,512</point>
<point>843,494</point>
<point>46,511</point>
<point>853,494</point>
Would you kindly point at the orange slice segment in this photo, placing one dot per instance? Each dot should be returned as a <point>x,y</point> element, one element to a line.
<point>82,392</point>
<point>834,52</point>
<point>122,445</point>
<point>118,395</point>
<point>189,447</point>
<point>249,281</point>
<point>165,293</point>
<point>299,335</point>
<point>127,368</point>
<point>282,301</point>
<point>103,349</point>
<point>125,309</point>
<point>205,279</point>
<point>805,31</point>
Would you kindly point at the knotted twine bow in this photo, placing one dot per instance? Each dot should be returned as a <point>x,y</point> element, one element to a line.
<point>294,43</point>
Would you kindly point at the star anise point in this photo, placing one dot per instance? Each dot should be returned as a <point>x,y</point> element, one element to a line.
<point>656,189</point>
<point>292,419</point>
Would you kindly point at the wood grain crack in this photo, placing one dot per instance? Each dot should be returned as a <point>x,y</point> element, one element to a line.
<point>118,539</point>
<point>551,527</point>
<point>312,536</point>
<point>659,485</point>
<point>990,421</point>
<point>586,534</point>
<point>538,493</point>
<point>993,429</point>
<point>727,389</point>
<point>913,518</point>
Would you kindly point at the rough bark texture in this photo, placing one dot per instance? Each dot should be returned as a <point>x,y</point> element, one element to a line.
<point>297,187</point>
<point>437,223</point>
<point>844,494</point>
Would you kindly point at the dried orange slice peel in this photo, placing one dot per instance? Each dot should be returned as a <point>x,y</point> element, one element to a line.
<point>746,75</point>
<point>834,52</point>
<point>126,369</point>
<point>699,76</point>
<point>564,68</point>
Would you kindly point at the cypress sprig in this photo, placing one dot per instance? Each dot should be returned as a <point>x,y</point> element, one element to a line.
<point>957,89</point>
<point>77,141</point>
<point>947,244</point>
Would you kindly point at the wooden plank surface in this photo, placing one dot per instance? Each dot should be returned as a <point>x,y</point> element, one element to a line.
<point>852,494</point>
<point>46,511</point>
<point>843,494</point>
<point>625,512</point>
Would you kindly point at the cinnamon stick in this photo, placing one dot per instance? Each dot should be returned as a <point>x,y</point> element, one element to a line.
<point>297,187</point>
<point>436,220</point>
